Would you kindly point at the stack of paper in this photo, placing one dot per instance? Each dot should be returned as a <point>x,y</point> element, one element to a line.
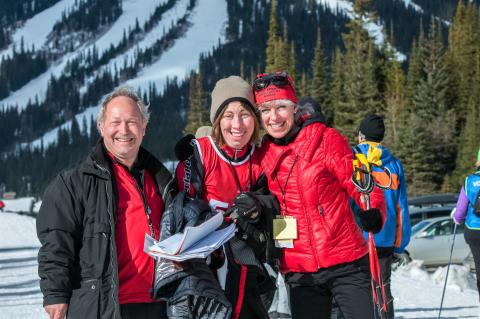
<point>194,242</point>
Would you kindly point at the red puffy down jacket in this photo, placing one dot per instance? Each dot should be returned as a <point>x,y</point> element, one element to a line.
<point>311,178</point>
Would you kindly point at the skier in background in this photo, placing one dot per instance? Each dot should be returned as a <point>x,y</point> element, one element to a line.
<point>395,234</point>
<point>468,211</point>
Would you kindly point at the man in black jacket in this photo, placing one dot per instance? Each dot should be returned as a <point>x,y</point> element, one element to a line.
<point>93,221</point>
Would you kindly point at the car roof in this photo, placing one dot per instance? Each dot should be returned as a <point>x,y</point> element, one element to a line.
<point>441,199</point>
<point>416,210</point>
<point>436,219</point>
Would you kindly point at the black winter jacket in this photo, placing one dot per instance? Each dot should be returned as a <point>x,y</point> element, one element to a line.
<point>77,262</point>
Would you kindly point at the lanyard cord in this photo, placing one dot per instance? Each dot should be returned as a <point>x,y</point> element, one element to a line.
<point>237,180</point>
<point>234,172</point>
<point>286,181</point>
<point>147,209</point>
<point>138,179</point>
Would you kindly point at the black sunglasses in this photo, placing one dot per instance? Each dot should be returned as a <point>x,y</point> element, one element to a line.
<point>277,79</point>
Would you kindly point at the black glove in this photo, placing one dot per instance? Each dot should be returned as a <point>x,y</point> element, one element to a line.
<point>246,206</point>
<point>184,147</point>
<point>370,220</point>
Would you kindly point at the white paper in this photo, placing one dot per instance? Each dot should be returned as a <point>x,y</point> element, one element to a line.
<point>194,242</point>
<point>182,241</point>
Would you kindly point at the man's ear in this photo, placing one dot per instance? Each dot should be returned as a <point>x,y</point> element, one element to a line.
<point>100,128</point>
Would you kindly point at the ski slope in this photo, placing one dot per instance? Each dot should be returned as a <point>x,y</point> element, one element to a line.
<point>203,34</point>
<point>35,30</point>
<point>132,10</point>
<point>207,30</point>
<point>374,28</point>
<point>417,293</point>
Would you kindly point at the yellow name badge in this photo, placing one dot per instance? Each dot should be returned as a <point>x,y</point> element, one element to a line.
<point>284,231</point>
<point>284,228</point>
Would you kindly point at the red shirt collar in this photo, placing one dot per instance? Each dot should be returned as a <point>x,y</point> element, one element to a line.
<point>234,153</point>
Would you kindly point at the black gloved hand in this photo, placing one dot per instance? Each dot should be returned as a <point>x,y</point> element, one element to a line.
<point>245,206</point>
<point>370,220</point>
<point>184,147</point>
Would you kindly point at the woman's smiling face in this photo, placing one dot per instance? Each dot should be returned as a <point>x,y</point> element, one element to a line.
<point>278,117</point>
<point>237,125</point>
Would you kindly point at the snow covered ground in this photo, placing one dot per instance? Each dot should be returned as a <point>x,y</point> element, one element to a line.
<point>20,295</point>
<point>417,293</point>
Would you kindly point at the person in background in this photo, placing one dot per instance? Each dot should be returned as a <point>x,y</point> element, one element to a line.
<point>203,131</point>
<point>309,169</point>
<point>2,205</point>
<point>395,235</point>
<point>308,107</point>
<point>225,171</point>
<point>468,211</point>
<point>94,217</point>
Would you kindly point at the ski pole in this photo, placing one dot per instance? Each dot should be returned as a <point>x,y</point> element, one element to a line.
<point>448,268</point>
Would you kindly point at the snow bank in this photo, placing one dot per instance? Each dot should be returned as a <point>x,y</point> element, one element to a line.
<point>21,204</point>
<point>459,277</point>
<point>417,294</point>
<point>17,231</point>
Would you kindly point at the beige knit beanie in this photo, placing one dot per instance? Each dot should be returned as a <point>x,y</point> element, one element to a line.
<point>233,88</point>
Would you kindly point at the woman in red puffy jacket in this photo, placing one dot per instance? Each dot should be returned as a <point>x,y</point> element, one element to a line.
<point>309,168</point>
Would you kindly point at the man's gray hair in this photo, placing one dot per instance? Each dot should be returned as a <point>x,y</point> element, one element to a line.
<point>125,91</point>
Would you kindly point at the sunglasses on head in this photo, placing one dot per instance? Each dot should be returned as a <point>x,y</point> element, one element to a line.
<point>264,80</point>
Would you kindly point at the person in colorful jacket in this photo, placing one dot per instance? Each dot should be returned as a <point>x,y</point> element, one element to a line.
<point>309,169</point>
<point>225,171</point>
<point>395,235</point>
<point>465,212</point>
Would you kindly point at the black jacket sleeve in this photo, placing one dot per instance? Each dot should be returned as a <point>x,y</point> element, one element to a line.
<point>57,230</point>
<point>264,249</point>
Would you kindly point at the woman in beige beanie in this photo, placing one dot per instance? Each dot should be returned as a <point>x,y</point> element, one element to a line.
<point>224,170</point>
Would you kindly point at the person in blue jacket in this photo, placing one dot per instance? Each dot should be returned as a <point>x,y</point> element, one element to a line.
<point>468,211</point>
<point>395,235</point>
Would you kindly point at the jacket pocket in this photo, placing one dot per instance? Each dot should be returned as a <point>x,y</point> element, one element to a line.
<point>323,218</point>
<point>84,303</point>
<point>94,251</point>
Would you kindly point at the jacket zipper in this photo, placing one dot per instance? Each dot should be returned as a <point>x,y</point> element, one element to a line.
<point>324,221</point>
<point>112,248</point>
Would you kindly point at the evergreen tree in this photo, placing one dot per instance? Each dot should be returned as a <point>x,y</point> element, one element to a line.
<point>361,86</point>
<point>469,141</point>
<point>302,86</point>
<point>272,38</point>
<point>197,113</point>
<point>337,93</point>
<point>319,82</point>
<point>394,101</point>
<point>433,119</point>
<point>292,63</point>
<point>463,44</point>
<point>285,57</point>
<point>415,68</point>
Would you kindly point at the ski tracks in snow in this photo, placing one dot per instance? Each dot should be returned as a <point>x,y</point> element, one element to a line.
<point>20,295</point>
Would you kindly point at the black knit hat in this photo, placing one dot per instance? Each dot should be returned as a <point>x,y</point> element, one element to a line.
<point>373,128</point>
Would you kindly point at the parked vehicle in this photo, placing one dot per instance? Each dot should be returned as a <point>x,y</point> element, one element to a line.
<point>431,242</point>
<point>429,206</point>
<point>419,214</point>
<point>433,200</point>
